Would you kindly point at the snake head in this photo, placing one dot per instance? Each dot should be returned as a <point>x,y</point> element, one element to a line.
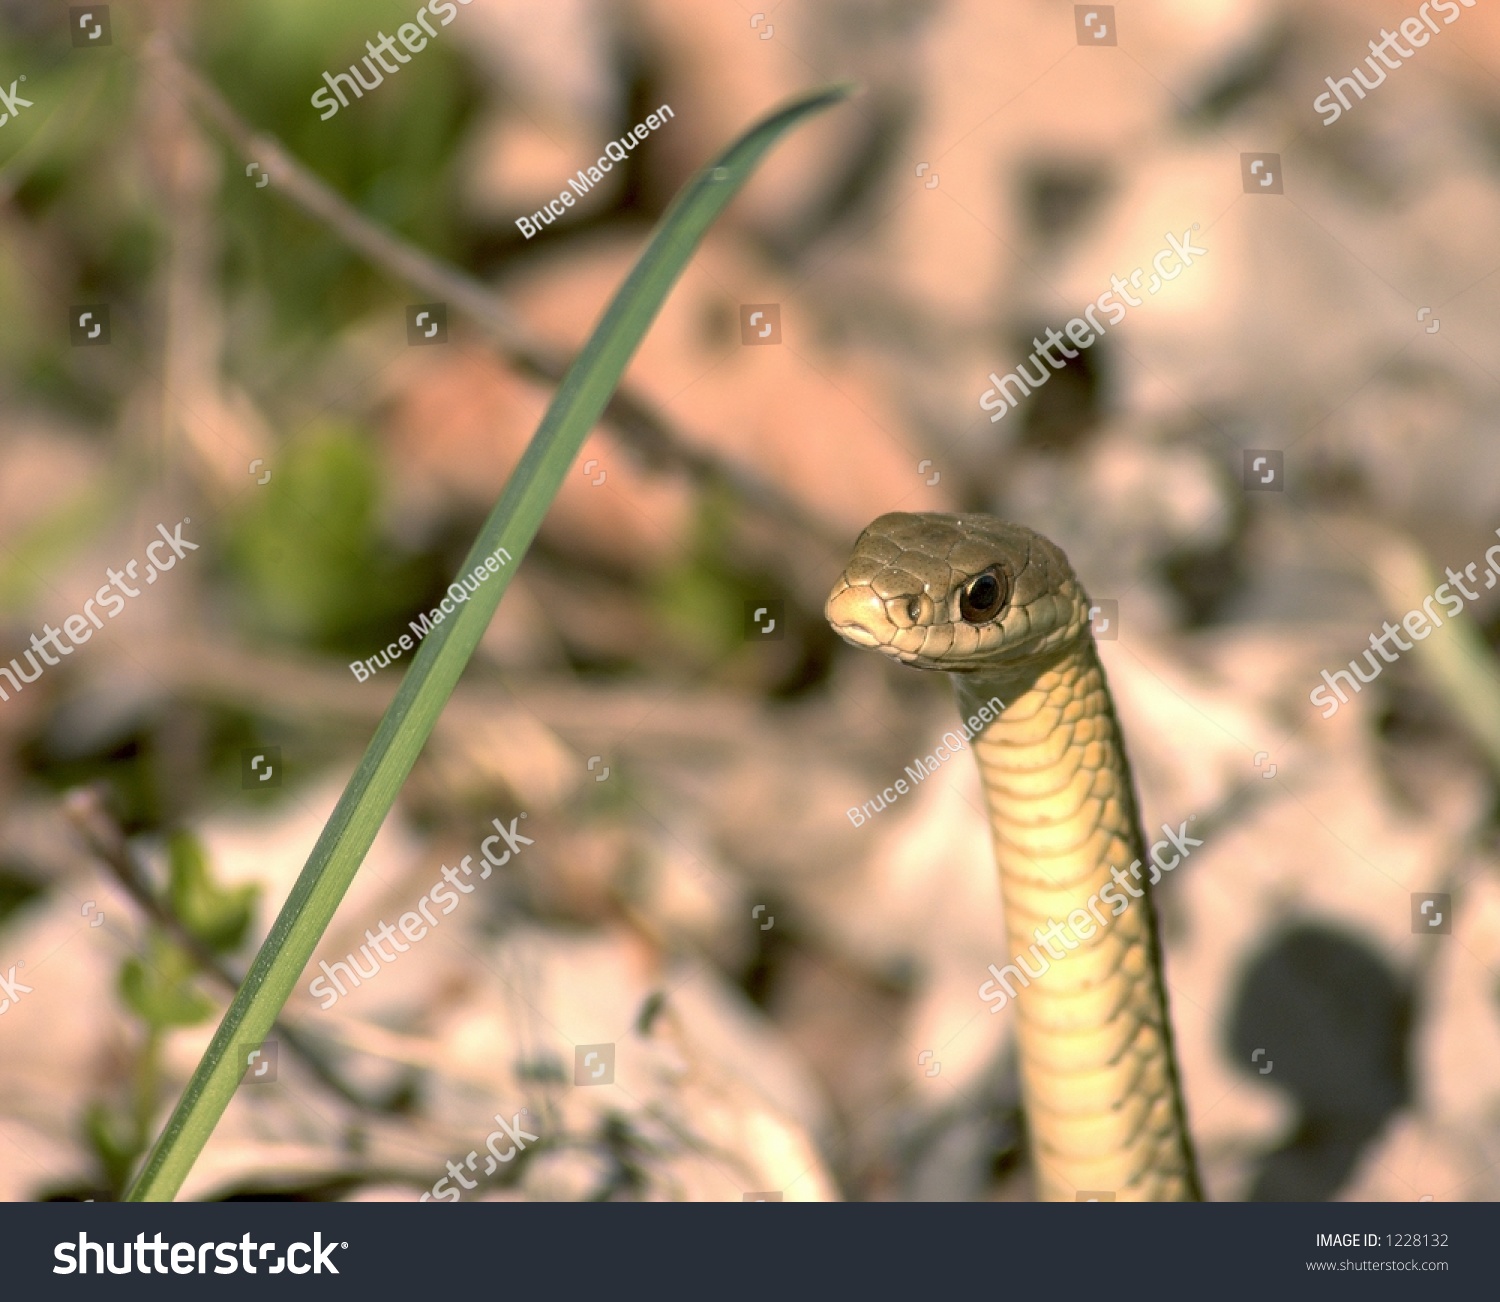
<point>960,593</point>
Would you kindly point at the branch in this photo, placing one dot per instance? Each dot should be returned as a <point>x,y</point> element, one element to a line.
<point>632,417</point>
<point>87,810</point>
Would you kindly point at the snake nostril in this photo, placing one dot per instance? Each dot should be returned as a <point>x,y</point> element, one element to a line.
<point>914,609</point>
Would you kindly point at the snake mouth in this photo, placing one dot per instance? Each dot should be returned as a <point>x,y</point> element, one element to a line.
<point>859,635</point>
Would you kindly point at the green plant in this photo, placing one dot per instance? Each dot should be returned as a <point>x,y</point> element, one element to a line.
<point>160,986</point>
<point>308,554</point>
<point>435,670</point>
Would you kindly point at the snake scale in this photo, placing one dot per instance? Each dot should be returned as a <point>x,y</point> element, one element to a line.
<point>998,607</point>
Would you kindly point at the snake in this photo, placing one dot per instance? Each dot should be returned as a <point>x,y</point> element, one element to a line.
<point>997,607</point>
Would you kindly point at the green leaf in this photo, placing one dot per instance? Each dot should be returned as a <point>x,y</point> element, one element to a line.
<point>701,599</point>
<point>435,670</point>
<point>308,552</point>
<point>217,917</point>
<point>159,988</point>
<point>112,1137</point>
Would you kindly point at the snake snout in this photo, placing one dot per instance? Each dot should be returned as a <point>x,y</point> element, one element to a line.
<point>859,615</point>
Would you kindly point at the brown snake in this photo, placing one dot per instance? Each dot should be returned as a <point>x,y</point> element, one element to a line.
<point>999,608</point>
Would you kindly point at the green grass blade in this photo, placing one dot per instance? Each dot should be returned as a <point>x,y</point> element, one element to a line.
<point>445,651</point>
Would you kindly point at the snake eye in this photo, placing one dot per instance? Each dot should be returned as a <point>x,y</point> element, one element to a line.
<point>984,597</point>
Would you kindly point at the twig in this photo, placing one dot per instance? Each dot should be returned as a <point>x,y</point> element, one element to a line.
<point>643,428</point>
<point>1459,665</point>
<point>87,810</point>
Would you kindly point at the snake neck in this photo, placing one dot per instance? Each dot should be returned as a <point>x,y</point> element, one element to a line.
<point>1098,1075</point>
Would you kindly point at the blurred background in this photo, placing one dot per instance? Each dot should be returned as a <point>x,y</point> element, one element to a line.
<point>781,1004</point>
